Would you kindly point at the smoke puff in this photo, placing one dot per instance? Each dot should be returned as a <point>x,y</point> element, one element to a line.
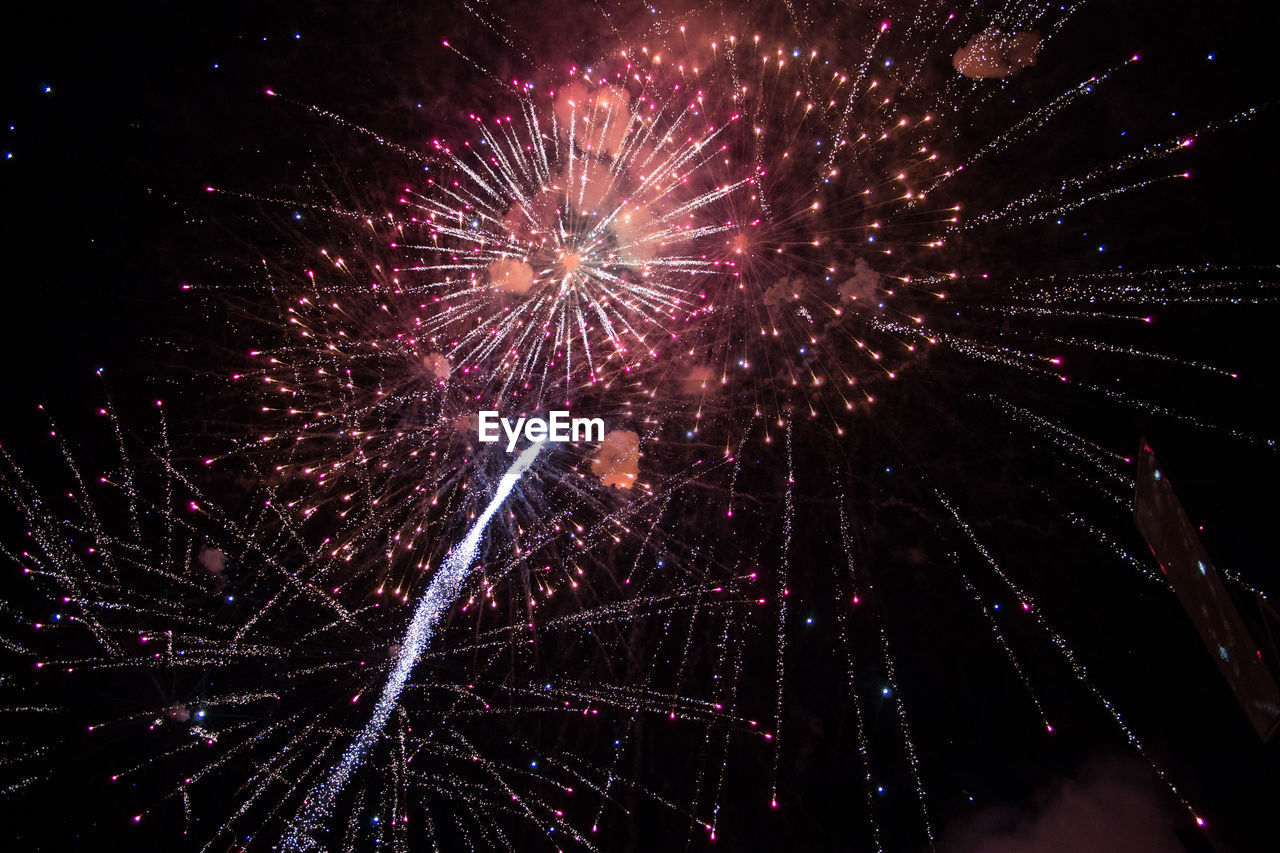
<point>1109,805</point>
<point>698,380</point>
<point>617,462</point>
<point>992,53</point>
<point>511,275</point>
<point>863,285</point>
<point>784,291</point>
<point>530,219</point>
<point>590,188</point>
<point>601,117</point>
<point>213,559</point>
<point>631,227</point>
<point>438,365</point>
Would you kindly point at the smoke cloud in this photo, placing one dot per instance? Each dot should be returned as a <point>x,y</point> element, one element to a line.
<point>617,462</point>
<point>1109,805</point>
<point>992,53</point>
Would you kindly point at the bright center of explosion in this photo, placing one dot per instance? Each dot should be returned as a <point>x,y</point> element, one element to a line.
<point>570,261</point>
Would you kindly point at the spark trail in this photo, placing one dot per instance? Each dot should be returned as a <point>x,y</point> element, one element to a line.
<point>440,594</point>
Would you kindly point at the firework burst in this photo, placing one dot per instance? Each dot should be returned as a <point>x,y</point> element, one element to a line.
<point>803,281</point>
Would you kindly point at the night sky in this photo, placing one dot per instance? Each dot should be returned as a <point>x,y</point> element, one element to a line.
<point>116,122</point>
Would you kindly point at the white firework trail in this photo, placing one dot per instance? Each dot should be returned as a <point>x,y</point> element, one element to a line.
<point>439,596</point>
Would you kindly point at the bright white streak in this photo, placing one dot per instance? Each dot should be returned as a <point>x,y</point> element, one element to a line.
<point>440,595</point>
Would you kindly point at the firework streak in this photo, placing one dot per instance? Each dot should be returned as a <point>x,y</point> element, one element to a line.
<point>441,593</point>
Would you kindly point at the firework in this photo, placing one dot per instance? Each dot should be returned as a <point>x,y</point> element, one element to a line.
<point>797,270</point>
